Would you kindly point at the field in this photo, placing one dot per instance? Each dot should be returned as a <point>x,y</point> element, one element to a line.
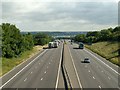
<point>8,64</point>
<point>108,50</point>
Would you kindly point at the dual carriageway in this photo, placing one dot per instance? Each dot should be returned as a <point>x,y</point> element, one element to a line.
<point>63,67</point>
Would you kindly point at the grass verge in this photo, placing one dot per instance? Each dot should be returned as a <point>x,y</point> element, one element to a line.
<point>8,64</point>
<point>108,50</point>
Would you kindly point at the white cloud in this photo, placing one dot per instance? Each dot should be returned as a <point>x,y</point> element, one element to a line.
<point>60,0</point>
<point>45,15</point>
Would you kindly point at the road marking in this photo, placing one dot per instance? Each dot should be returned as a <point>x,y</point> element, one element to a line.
<point>45,72</point>
<point>56,86</point>
<point>101,71</point>
<point>39,63</point>
<point>25,79</point>
<point>93,77</point>
<point>88,70</point>
<point>103,62</point>
<point>75,70</point>
<point>21,70</point>
<point>99,86</point>
<point>31,72</point>
<point>49,63</point>
<point>41,79</point>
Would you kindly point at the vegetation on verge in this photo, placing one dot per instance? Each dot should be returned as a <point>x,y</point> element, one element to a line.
<point>13,42</point>
<point>16,47</point>
<point>42,39</point>
<point>96,36</point>
<point>9,63</point>
<point>108,50</point>
<point>105,42</point>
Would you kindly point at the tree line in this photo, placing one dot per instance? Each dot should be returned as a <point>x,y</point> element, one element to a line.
<point>14,43</point>
<point>110,34</point>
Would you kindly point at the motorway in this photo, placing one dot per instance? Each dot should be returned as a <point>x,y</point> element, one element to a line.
<point>97,73</point>
<point>44,70</point>
<point>41,73</point>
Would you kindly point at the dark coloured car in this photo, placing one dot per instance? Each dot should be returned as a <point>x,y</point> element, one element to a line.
<point>86,60</point>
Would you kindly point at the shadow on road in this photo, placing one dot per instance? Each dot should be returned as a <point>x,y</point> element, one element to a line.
<point>75,48</point>
<point>46,48</point>
<point>82,62</point>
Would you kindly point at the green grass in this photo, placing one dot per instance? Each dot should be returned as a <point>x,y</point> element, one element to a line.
<point>108,50</point>
<point>8,64</point>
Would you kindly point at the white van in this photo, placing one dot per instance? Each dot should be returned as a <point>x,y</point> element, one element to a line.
<point>50,44</point>
<point>55,44</point>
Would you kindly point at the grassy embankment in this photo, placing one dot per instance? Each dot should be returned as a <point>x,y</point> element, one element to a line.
<point>108,50</point>
<point>8,64</point>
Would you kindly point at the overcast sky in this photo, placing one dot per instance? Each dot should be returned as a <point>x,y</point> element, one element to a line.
<point>60,15</point>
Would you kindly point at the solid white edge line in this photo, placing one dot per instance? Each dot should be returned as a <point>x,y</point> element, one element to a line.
<point>99,86</point>
<point>59,69</point>
<point>75,70</point>
<point>25,79</point>
<point>22,69</point>
<point>41,79</point>
<point>102,62</point>
<point>16,66</point>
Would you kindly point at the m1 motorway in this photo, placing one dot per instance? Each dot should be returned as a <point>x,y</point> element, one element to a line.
<point>44,70</point>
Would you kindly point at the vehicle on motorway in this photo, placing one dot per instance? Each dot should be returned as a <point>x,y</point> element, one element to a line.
<point>50,45</point>
<point>86,60</point>
<point>81,45</point>
<point>57,41</point>
<point>55,44</point>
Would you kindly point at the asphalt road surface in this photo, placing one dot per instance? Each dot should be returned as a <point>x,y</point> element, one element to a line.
<point>44,70</point>
<point>41,72</point>
<point>99,73</point>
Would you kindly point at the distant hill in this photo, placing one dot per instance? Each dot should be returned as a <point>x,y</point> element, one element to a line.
<point>59,33</point>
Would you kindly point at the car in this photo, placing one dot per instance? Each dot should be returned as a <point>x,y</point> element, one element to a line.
<point>81,45</point>
<point>86,60</point>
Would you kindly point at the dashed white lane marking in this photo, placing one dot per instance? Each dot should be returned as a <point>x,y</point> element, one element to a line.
<point>75,69</point>
<point>39,63</point>
<point>103,62</point>
<point>22,69</point>
<point>93,77</point>
<point>88,70</point>
<point>45,72</point>
<point>99,86</point>
<point>25,79</point>
<point>109,78</point>
<point>41,79</point>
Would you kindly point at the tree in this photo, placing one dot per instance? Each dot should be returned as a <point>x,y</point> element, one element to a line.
<point>80,38</point>
<point>42,39</point>
<point>13,42</point>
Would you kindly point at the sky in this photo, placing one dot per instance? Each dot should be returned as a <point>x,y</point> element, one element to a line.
<point>60,15</point>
